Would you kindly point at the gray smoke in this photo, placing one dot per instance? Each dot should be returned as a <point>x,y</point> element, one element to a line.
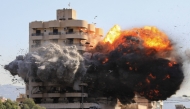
<point>50,63</point>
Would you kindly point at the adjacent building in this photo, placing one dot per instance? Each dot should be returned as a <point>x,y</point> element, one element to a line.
<point>3,99</point>
<point>21,98</point>
<point>143,103</point>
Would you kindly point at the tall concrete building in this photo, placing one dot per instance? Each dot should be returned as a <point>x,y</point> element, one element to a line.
<point>65,30</point>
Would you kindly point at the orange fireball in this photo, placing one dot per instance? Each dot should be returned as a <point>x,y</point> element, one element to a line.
<point>113,34</point>
<point>151,37</point>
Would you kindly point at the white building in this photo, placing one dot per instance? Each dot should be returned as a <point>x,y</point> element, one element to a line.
<point>174,102</point>
<point>3,99</point>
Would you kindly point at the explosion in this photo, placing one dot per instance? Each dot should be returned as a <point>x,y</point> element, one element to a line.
<point>135,61</point>
<point>124,63</point>
<point>151,37</point>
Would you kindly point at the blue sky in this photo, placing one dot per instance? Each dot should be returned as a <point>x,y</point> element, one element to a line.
<point>171,17</point>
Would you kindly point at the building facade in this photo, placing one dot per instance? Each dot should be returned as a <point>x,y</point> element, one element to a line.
<point>66,30</point>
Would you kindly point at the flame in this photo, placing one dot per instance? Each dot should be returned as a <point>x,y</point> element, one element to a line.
<point>106,60</point>
<point>150,36</point>
<point>154,38</point>
<point>170,64</point>
<point>147,80</point>
<point>156,91</point>
<point>130,68</point>
<point>153,77</point>
<point>153,92</point>
<point>167,77</point>
<point>113,34</point>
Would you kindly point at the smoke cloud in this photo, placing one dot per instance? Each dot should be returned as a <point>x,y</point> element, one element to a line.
<point>115,72</point>
<point>50,63</point>
<point>131,68</point>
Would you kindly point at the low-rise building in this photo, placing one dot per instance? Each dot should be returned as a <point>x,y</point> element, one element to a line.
<point>3,99</point>
<point>21,98</point>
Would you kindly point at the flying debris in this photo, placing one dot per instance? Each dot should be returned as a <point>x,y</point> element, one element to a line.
<point>124,63</point>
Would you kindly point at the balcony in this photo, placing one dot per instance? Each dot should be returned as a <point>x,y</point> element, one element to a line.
<point>91,27</point>
<point>47,95</point>
<point>37,36</point>
<point>54,23</point>
<point>99,32</point>
<point>36,24</point>
<point>76,35</point>
<point>78,46</point>
<point>35,46</point>
<point>76,23</point>
<point>54,35</point>
<point>70,105</point>
<point>43,84</point>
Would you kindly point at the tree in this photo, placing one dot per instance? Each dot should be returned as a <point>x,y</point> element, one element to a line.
<point>8,104</point>
<point>28,103</point>
<point>38,107</point>
<point>25,106</point>
<point>2,105</point>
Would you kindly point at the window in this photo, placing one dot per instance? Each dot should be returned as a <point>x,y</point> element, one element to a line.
<point>62,19</point>
<point>70,31</point>
<point>38,32</point>
<point>36,43</point>
<point>55,31</point>
<point>70,41</point>
<point>54,40</point>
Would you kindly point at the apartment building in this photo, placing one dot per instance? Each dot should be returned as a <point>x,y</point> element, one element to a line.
<point>65,30</point>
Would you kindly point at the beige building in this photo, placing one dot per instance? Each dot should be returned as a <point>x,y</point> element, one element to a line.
<point>65,30</point>
<point>21,98</point>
